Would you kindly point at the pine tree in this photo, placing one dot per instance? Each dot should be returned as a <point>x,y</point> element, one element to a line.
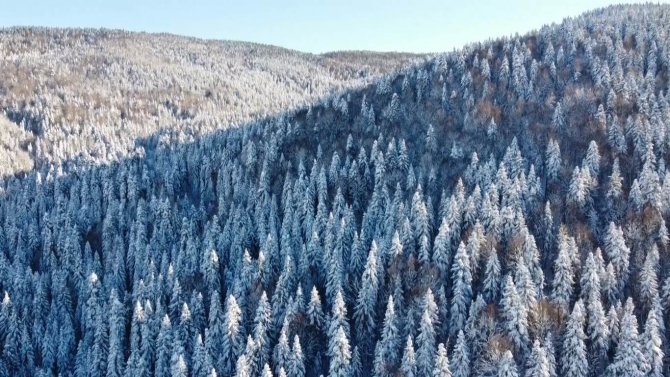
<point>338,318</point>
<point>648,282</point>
<point>592,159</point>
<point>574,362</point>
<point>652,345</point>
<point>558,119</point>
<point>297,362</point>
<point>538,363</point>
<point>441,251</point>
<point>426,339</point>
<point>340,355</point>
<point>460,359</point>
<point>408,366</point>
<point>507,366</point>
<point>266,372</point>
<point>563,282</point>
<point>117,334</point>
<point>215,332</point>
<point>233,336</point>
<point>281,356</point>
<point>628,358</point>
<point>356,363</point>
<point>242,368</point>
<point>179,368</point>
<point>441,362</point>
<point>262,325</point>
<point>492,277</point>
<point>364,313</point>
<point>315,310</point>
<point>202,362</point>
<point>164,351</point>
<point>598,332</point>
<point>461,290</point>
<point>552,161</point>
<point>618,253</point>
<point>386,354</point>
<point>514,314</point>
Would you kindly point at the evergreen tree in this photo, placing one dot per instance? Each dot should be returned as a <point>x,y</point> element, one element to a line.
<point>507,366</point>
<point>441,363</point>
<point>340,355</point>
<point>408,366</point>
<point>386,354</point>
<point>552,161</point>
<point>514,315</point>
<point>262,326</point>
<point>297,362</point>
<point>233,336</point>
<point>628,358</point>
<point>461,290</point>
<point>364,313</point>
<point>652,345</point>
<point>281,357</point>
<point>426,339</point>
<point>538,363</point>
<point>574,360</point>
<point>563,274</point>
<point>618,253</point>
<point>460,359</point>
<point>492,277</point>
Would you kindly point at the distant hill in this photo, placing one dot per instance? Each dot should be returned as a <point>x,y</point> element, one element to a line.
<point>92,93</point>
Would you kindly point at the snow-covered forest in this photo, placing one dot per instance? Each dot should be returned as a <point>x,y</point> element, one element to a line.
<point>88,95</point>
<point>495,211</point>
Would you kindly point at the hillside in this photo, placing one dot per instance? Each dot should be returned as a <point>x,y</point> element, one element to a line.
<point>496,211</point>
<point>90,94</point>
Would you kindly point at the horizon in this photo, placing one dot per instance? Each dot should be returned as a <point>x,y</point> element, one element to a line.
<point>424,27</point>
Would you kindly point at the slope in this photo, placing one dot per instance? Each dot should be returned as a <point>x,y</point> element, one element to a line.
<point>497,211</point>
<point>91,93</point>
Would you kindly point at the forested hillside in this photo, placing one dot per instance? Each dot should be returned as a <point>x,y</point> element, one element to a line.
<point>496,211</point>
<point>90,94</point>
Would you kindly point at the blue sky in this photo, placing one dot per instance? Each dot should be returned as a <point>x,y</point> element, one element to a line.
<point>308,25</point>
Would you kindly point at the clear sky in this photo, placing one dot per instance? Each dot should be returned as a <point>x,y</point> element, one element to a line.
<point>308,25</point>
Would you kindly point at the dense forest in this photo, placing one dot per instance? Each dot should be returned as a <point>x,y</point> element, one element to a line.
<point>495,211</point>
<point>88,94</point>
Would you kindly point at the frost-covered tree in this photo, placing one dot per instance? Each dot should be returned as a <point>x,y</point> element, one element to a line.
<point>426,337</point>
<point>506,366</point>
<point>629,359</point>
<point>233,336</point>
<point>388,347</point>
<point>461,276</point>
<point>538,363</point>
<point>441,368</point>
<point>340,355</point>
<point>574,359</point>
<point>364,313</point>
<point>514,314</point>
<point>408,365</point>
<point>460,358</point>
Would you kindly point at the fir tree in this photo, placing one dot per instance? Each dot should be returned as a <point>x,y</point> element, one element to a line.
<point>538,363</point>
<point>628,358</point>
<point>461,290</point>
<point>460,358</point>
<point>340,355</point>
<point>573,354</point>
<point>514,314</point>
<point>441,368</point>
<point>507,366</point>
<point>408,366</point>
